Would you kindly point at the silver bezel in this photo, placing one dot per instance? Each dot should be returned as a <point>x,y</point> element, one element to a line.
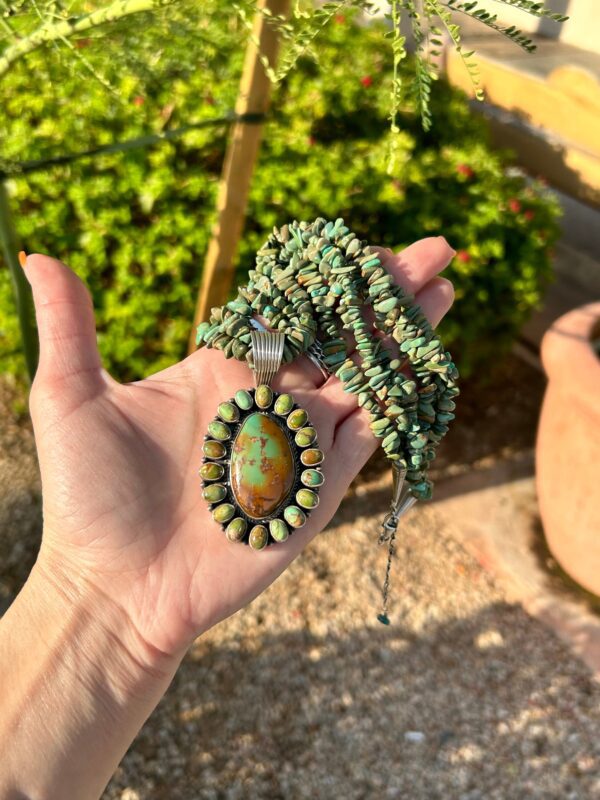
<point>299,467</point>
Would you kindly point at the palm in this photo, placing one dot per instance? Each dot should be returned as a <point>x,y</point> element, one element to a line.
<point>122,500</point>
<point>128,505</point>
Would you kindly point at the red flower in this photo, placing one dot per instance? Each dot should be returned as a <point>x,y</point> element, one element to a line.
<point>529,215</point>
<point>138,100</point>
<point>367,81</point>
<point>466,170</point>
<point>514,205</point>
<point>463,256</point>
<point>340,19</point>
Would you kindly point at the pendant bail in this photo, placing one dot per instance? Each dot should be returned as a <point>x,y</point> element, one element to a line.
<point>314,352</point>
<point>267,354</point>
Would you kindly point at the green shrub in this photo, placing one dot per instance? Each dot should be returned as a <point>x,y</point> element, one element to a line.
<point>136,226</point>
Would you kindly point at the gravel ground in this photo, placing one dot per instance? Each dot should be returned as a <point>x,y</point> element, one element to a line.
<point>305,695</point>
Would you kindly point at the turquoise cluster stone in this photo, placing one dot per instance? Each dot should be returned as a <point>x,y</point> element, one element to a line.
<point>262,466</point>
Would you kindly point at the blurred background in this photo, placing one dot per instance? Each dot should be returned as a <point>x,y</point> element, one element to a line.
<point>485,685</point>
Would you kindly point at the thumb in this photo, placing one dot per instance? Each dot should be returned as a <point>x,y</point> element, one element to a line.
<point>65,320</point>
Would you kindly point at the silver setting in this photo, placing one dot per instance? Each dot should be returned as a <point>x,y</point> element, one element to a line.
<point>402,501</point>
<point>224,460</point>
<point>267,352</point>
<point>314,352</point>
<point>316,355</point>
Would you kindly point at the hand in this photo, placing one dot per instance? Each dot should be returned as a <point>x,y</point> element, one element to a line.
<point>123,511</point>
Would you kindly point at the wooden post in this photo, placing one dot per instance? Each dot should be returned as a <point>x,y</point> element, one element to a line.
<point>22,290</point>
<point>238,166</point>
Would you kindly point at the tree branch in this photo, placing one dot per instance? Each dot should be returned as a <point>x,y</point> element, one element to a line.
<point>51,32</point>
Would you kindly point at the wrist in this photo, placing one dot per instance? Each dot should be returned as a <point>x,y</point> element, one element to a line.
<point>78,683</point>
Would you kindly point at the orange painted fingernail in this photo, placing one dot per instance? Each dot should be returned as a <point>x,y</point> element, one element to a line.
<point>22,258</point>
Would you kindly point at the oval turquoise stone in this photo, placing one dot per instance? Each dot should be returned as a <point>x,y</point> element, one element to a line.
<point>312,477</point>
<point>228,412</point>
<point>305,437</point>
<point>297,419</point>
<point>279,530</point>
<point>219,430</point>
<point>294,516</point>
<point>236,529</point>
<point>312,457</point>
<point>223,513</point>
<point>211,471</point>
<point>213,449</point>
<point>243,399</point>
<point>262,466</point>
<point>284,404</point>
<point>263,396</point>
<point>307,499</point>
<point>259,537</point>
<point>214,493</point>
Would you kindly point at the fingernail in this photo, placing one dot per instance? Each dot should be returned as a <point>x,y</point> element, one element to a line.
<point>448,245</point>
<point>22,258</point>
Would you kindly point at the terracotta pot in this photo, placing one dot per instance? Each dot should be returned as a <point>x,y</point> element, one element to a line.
<point>568,445</point>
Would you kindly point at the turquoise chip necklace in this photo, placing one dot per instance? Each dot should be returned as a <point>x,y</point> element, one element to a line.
<point>312,282</point>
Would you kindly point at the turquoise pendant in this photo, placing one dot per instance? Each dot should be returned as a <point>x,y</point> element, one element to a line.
<point>262,468</point>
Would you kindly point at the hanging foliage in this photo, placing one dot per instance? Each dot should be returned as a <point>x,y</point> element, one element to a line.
<point>26,25</point>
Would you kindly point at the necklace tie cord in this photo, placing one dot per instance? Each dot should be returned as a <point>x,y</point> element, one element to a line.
<point>313,281</point>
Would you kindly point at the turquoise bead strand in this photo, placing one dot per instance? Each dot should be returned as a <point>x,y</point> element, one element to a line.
<point>316,280</point>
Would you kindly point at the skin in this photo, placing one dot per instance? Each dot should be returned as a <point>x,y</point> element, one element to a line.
<point>132,567</point>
